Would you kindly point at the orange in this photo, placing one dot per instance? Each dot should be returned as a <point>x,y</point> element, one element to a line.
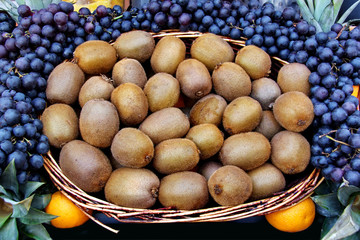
<point>294,219</point>
<point>69,215</point>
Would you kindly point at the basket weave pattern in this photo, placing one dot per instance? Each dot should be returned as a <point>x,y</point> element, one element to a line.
<point>298,192</point>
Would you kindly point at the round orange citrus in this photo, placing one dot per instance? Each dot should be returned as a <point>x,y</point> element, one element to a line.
<point>69,215</point>
<point>294,219</point>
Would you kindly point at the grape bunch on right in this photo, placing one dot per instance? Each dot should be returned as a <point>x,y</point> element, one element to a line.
<point>335,65</point>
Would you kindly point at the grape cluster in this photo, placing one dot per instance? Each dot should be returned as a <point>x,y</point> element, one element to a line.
<point>335,69</point>
<point>7,24</point>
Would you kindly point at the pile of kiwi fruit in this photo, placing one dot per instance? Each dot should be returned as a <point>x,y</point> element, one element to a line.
<point>153,123</point>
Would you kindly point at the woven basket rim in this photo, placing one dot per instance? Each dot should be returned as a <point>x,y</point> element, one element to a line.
<point>300,191</point>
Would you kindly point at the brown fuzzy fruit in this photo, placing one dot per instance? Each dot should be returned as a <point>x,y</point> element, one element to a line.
<point>207,137</point>
<point>211,50</point>
<point>169,52</point>
<point>175,155</point>
<point>230,186</point>
<point>95,56</point>
<point>255,61</point>
<point>134,188</point>
<point>266,91</point>
<point>294,111</point>
<point>96,87</point>
<point>208,109</point>
<point>129,70</point>
<point>243,114</point>
<point>162,90</point>
<point>266,180</point>
<point>290,152</point>
<point>165,124</point>
<point>268,125</point>
<point>294,77</point>
<point>183,190</point>
<point>246,150</point>
<point>135,44</point>
<point>194,78</point>
<point>85,165</point>
<point>99,122</point>
<point>64,83</point>
<point>60,124</point>
<point>132,148</point>
<point>231,81</point>
<point>131,103</point>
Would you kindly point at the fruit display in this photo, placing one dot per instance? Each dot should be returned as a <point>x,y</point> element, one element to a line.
<point>97,89</point>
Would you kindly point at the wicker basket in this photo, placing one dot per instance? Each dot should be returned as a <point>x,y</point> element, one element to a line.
<point>300,190</point>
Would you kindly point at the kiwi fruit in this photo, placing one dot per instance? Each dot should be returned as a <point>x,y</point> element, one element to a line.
<point>129,70</point>
<point>243,114</point>
<point>207,137</point>
<point>175,155</point>
<point>231,81</point>
<point>95,57</point>
<point>255,61</point>
<point>194,78</point>
<point>207,168</point>
<point>132,148</point>
<point>265,91</point>
<point>211,50</point>
<point>294,111</point>
<point>168,54</point>
<point>85,165</point>
<point>162,90</point>
<point>266,180</point>
<point>246,150</point>
<point>135,44</point>
<point>230,186</point>
<point>99,122</point>
<point>131,103</point>
<point>60,124</point>
<point>184,191</point>
<point>294,77</point>
<point>165,124</point>
<point>290,152</point>
<point>96,87</point>
<point>268,125</point>
<point>64,83</point>
<point>133,188</point>
<point>208,109</point>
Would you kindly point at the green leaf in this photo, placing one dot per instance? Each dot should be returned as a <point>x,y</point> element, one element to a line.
<point>41,201</point>
<point>310,4</point>
<point>34,4</point>
<point>37,232</point>
<point>5,212</point>
<point>344,226</point>
<point>36,216</point>
<point>337,6</point>
<point>355,236</point>
<point>327,18</point>
<point>327,187</point>
<point>327,225</point>
<point>320,7</point>
<point>328,205</point>
<point>30,187</point>
<point>345,192</point>
<point>348,12</point>
<point>8,178</point>
<point>20,2</point>
<point>20,209</point>
<point>9,231</point>
<point>307,15</point>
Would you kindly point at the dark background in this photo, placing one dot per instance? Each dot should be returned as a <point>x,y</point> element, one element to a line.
<point>253,228</point>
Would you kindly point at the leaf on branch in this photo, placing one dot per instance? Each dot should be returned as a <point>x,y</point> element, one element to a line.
<point>328,205</point>
<point>5,212</point>
<point>9,231</point>
<point>348,12</point>
<point>35,217</point>
<point>20,209</point>
<point>344,226</point>
<point>41,201</point>
<point>37,232</point>
<point>30,187</point>
<point>345,192</point>
<point>8,179</point>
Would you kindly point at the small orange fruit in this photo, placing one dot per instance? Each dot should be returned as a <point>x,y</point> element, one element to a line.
<point>294,219</point>
<point>69,215</point>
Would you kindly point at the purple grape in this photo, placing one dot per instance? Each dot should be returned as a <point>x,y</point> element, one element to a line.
<point>60,18</point>
<point>353,177</point>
